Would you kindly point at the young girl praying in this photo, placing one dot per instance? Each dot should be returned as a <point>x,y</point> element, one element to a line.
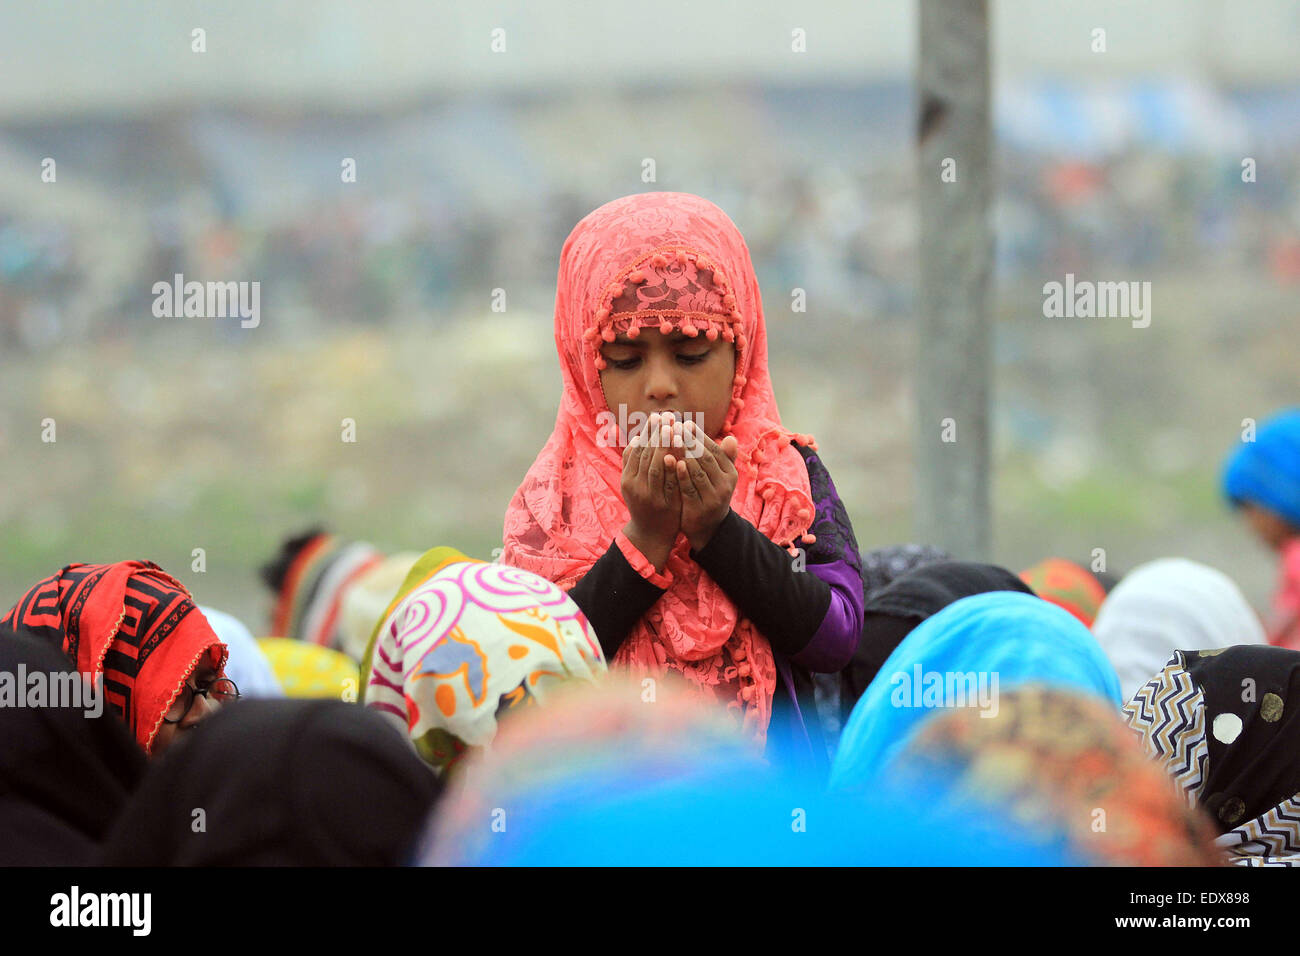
<point>710,540</point>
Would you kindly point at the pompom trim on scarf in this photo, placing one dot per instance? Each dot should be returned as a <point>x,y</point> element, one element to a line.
<point>692,323</point>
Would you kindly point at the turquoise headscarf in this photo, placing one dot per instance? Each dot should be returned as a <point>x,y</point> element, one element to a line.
<point>1001,636</point>
<point>735,815</point>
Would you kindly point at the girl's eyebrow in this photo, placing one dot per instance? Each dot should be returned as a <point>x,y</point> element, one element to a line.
<point>675,339</point>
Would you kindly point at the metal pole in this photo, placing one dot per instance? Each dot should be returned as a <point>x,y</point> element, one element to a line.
<point>953,366</point>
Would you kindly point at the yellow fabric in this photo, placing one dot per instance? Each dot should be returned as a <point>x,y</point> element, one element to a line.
<point>309,670</point>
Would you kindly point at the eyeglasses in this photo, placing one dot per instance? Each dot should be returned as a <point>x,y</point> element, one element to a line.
<point>221,691</point>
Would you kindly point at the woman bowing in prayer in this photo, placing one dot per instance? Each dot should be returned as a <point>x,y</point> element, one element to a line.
<point>897,609</point>
<point>1070,585</point>
<point>1224,723</point>
<point>965,656</point>
<point>136,627</point>
<point>1062,764</point>
<point>281,783</point>
<point>1167,605</point>
<point>465,641</point>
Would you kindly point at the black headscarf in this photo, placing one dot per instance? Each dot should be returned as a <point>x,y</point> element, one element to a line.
<point>883,566</point>
<point>1225,724</point>
<point>64,776</point>
<point>280,783</point>
<point>892,613</point>
<point>834,693</point>
<point>1107,579</point>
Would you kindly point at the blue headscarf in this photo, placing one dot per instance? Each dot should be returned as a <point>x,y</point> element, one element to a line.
<point>734,815</point>
<point>1267,470</point>
<point>1005,636</point>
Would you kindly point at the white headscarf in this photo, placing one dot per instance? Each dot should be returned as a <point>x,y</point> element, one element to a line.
<point>247,666</point>
<point>1168,605</point>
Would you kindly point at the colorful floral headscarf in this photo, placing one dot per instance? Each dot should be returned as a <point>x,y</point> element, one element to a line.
<point>133,623</point>
<point>1061,763</point>
<point>464,639</point>
<point>667,261</point>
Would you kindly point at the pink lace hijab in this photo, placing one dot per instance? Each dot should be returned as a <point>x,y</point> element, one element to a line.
<point>669,261</point>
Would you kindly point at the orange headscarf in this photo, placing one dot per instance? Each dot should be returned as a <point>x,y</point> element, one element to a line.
<point>667,260</point>
<point>1067,585</point>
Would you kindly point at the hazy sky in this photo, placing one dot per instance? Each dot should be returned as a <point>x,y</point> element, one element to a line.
<point>67,56</point>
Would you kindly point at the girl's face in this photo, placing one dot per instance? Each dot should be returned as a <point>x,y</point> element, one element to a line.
<point>655,372</point>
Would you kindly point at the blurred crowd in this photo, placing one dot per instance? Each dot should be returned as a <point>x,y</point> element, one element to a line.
<point>402,242</point>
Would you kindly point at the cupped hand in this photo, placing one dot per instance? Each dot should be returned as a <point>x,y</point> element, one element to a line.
<point>706,475</point>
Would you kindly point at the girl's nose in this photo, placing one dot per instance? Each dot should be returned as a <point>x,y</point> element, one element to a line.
<point>661,383</point>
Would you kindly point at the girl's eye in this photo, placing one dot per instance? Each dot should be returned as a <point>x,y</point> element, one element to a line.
<point>623,364</point>
<point>692,359</point>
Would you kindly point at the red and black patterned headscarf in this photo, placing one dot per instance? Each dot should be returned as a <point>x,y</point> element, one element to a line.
<point>133,623</point>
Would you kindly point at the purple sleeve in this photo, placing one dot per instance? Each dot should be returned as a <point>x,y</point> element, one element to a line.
<point>834,558</point>
<point>836,638</point>
<point>814,618</point>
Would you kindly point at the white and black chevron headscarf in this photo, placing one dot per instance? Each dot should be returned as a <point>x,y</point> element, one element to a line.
<point>1225,724</point>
